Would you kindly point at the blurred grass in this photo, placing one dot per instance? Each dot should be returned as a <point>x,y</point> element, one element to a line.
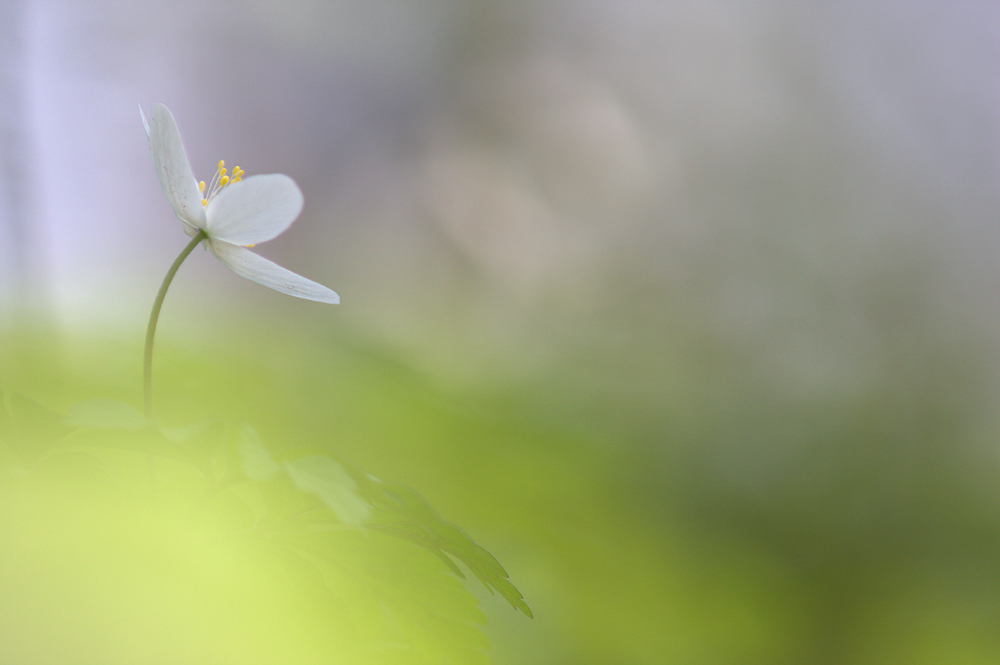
<point>859,529</point>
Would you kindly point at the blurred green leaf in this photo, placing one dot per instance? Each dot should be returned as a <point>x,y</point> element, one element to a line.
<point>35,429</point>
<point>403,512</point>
<point>256,462</point>
<point>326,478</point>
<point>106,413</point>
<point>396,596</point>
<point>357,498</point>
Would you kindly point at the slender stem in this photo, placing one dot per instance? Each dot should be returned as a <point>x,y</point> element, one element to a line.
<point>147,364</point>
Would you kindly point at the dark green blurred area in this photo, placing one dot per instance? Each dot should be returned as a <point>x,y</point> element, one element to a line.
<point>724,525</point>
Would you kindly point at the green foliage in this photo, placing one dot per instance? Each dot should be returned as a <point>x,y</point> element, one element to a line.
<point>354,497</point>
<point>848,531</point>
<point>253,556</point>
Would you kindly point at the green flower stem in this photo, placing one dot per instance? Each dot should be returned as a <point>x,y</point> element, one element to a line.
<point>147,364</point>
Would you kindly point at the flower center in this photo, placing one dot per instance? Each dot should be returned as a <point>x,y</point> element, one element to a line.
<point>218,182</point>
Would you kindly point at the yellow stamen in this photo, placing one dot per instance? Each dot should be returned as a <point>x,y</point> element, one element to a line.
<point>249,245</point>
<point>219,181</point>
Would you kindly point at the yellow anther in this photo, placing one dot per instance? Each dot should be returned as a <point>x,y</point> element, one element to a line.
<point>204,202</point>
<point>222,171</point>
<point>222,163</point>
<point>248,245</point>
<point>225,179</point>
<point>201,186</point>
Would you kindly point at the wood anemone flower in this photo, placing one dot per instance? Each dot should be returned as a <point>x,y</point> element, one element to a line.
<point>233,212</point>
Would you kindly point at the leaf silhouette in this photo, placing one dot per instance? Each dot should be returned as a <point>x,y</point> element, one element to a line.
<point>403,512</point>
<point>357,498</point>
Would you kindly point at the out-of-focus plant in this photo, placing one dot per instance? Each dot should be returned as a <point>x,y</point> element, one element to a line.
<point>127,541</point>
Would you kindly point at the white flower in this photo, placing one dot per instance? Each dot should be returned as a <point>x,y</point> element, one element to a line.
<point>232,212</point>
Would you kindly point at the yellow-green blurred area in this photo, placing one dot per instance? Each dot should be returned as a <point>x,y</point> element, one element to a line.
<point>686,312</point>
<point>636,537</point>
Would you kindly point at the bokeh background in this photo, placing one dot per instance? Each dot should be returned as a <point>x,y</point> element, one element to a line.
<point>688,312</point>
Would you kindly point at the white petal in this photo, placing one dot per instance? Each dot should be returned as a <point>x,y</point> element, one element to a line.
<point>254,210</point>
<point>173,170</point>
<point>145,124</point>
<point>256,268</point>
